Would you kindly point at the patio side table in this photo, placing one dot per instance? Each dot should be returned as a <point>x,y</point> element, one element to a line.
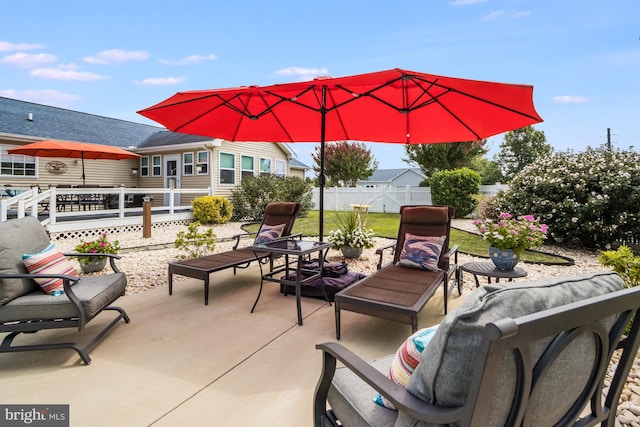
<point>297,249</point>
<point>489,270</point>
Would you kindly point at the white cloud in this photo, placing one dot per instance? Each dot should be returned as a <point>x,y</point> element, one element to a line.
<point>46,97</point>
<point>466,2</point>
<point>66,74</point>
<point>511,14</point>
<point>191,59</point>
<point>116,56</point>
<point>160,81</point>
<point>570,99</point>
<point>28,60</point>
<point>9,47</point>
<point>302,73</point>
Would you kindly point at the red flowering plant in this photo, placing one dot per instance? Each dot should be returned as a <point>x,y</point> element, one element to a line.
<point>523,232</point>
<point>98,246</point>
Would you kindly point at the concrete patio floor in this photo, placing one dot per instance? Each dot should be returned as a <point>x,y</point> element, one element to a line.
<point>181,363</point>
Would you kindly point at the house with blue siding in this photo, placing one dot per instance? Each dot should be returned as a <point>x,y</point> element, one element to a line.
<point>393,178</point>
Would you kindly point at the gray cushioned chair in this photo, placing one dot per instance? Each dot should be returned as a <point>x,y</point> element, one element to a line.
<point>527,354</point>
<point>24,307</point>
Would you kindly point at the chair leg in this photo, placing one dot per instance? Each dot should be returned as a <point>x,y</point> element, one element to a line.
<point>337,312</point>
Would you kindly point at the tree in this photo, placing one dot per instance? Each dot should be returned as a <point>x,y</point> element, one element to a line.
<point>345,162</point>
<point>521,147</point>
<point>488,169</point>
<point>432,158</point>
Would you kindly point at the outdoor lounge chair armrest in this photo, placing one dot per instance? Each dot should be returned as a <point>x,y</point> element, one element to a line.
<point>380,252</point>
<point>402,399</point>
<point>67,283</point>
<point>112,258</point>
<point>237,238</point>
<point>451,253</point>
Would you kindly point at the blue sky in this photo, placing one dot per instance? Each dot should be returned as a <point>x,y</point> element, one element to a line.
<point>115,57</point>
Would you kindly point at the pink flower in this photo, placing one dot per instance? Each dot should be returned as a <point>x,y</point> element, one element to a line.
<point>505,215</point>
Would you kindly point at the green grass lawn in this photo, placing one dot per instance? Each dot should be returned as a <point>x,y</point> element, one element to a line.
<point>386,225</point>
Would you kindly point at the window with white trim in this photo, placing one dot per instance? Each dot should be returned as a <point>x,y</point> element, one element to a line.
<point>202,162</point>
<point>265,165</point>
<point>144,166</point>
<point>246,166</point>
<point>156,165</point>
<point>281,168</point>
<point>187,163</point>
<point>16,164</point>
<point>227,168</point>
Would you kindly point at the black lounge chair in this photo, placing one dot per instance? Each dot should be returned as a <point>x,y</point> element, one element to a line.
<point>398,293</point>
<point>275,213</point>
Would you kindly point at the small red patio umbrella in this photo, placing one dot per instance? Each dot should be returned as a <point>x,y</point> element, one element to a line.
<point>393,106</point>
<point>73,150</point>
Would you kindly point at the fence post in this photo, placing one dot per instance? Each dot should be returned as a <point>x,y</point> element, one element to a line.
<point>146,216</point>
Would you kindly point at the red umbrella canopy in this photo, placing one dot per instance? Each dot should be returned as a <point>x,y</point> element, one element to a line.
<point>394,106</point>
<point>73,150</point>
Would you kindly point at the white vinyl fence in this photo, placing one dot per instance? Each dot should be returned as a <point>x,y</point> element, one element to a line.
<point>381,199</point>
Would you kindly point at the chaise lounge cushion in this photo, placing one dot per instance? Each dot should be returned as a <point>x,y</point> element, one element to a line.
<point>443,377</point>
<point>19,236</point>
<point>95,293</point>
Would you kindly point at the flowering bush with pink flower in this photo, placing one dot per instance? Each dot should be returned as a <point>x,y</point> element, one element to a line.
<point>98,246</point>
<point>508,232</point>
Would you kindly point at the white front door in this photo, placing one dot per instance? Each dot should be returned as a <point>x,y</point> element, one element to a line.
<point>172,177</point>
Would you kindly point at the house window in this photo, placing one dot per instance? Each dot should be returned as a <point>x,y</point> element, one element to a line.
<point>281,167</point>
<point>202,164</point>
<point>187,163</point>
<point>265,166</point>
<point>246,163</point>
<point>144,166</point>
<point>16,164</point>
<point>227,168</point>
<point>156,165</point>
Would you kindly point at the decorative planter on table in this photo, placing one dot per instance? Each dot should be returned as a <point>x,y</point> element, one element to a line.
<point>503,259</point>
<point>351,252</point>
<point>94,265</point>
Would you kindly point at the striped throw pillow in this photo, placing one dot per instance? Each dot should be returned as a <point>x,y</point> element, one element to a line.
<point>49,261</point>
<point>406,361</point>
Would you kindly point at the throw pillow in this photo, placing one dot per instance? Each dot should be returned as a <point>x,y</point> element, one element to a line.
<point>406,360</point>
<point>268,233</point>
<point>49,261</point>
<point>421,252</point>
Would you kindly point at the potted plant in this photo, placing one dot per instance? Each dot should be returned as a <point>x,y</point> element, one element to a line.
<point>351,237</point>
<point>508,237</point>
<point>92,264</point>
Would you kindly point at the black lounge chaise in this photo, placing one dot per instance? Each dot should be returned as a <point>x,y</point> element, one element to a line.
<point>397,292</point>
<point>275,214</point>
<point>26,308</point>
<point>527,354</point>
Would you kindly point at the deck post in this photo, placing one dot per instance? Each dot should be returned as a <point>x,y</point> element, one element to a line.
<point>146,216</point>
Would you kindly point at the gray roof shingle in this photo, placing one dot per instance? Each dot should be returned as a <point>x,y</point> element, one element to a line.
<point>59,123</point>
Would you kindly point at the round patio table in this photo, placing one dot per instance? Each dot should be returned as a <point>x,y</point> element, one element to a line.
<point>489,270</point>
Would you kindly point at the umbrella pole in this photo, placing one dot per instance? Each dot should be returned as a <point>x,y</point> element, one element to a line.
<point>82,155</point>
<point>323,122</point>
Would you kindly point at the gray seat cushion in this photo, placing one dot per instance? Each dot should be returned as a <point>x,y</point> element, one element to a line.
<point>95,292</point>
<point>19,236</point>
<point>443,377</point>
<point>351,399</point>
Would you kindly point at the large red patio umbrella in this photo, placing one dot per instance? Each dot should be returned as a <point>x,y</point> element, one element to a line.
<point>393,106</point>
<point>73,150</point>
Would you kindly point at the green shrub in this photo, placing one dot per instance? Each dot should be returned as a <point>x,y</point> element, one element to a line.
<point>255,192</point>
<point>588,199</point>
<point>212,209</point>
<point>194,243</point>
<point>456,188</point>
<point>624,262</point>
<point>488,208</point>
